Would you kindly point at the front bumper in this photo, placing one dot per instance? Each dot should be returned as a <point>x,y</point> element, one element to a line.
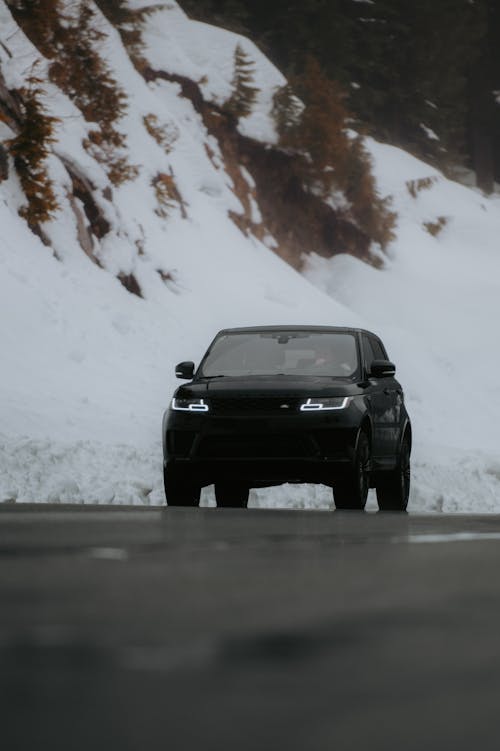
<point>266,449</point>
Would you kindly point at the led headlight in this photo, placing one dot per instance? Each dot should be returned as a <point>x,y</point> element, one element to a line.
<point>189,405</point>
<point>328,403</point>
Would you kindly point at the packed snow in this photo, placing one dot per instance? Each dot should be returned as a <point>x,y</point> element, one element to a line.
<point>88,367</point>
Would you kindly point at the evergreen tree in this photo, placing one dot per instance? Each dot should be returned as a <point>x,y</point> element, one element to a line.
<point>30,149</point>
<point>244,92</point>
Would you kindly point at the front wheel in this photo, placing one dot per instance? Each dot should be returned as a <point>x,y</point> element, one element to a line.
<point>351,491</point>
<point>231,495</point>
<point>393,488</point>
<point>180,489</point>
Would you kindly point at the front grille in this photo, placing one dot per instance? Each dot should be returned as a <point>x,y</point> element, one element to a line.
<point>253,405</point>
<point>257,446</point>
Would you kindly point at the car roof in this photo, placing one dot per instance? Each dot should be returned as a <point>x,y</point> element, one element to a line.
<point>322,329</point>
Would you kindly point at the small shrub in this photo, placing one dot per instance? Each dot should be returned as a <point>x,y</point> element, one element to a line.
<point>424,183</point>
<point>434,228</point>
<point>166,276</point>
<point>167,194</point>
<point>120,171</point>
<point>164,135</point>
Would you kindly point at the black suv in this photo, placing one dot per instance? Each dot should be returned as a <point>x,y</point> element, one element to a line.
<point>276,404</point>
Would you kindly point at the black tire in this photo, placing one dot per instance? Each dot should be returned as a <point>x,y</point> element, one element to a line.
<point>231,495</point>
<point>351,491</point>
<point>393,488</point>
<point>180,490</point>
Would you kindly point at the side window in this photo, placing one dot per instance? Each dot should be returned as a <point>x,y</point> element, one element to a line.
<point>368,354</point>
<point>378,352</point>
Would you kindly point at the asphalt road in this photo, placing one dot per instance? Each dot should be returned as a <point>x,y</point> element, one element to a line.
<point>217,629</point>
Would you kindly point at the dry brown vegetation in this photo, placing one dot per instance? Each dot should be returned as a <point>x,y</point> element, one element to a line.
<point>30,149</point>
<point>129,22</point>
<point>424,183</point>
<point>327,158</point>
<point>164,135</point>
<point>167,194</point>
<point>70,41</point>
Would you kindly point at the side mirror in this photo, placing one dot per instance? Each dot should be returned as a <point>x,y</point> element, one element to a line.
<point>185,370</point>
<point>382,369</point>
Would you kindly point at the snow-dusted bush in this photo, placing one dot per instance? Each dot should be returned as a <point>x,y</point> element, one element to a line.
<point>164,135</point>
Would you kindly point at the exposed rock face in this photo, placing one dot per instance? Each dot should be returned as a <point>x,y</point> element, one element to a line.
<point>91,223</point>
<point>130,283</point>
<point>84,190</point>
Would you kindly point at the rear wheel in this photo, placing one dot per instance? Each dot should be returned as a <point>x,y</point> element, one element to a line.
<point>393,488</point>
<point>180,489</point>
<point>351,491</point>
<point>231,495</point>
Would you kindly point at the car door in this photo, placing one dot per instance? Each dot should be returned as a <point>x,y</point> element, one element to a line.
<point>381,393</point>
<point>392,388</point>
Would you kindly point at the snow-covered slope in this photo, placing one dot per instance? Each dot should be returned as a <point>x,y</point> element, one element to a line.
<point>88,366</point>
<point>437,304</point>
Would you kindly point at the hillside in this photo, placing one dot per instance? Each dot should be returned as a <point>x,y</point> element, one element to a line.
<point>129,276</point>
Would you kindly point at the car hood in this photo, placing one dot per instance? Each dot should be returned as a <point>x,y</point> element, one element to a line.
<point>269,386</point>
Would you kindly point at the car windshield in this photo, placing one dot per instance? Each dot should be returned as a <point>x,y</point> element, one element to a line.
<point>291,353</point>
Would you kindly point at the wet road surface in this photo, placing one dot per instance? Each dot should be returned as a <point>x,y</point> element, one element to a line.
<point>227,629</point>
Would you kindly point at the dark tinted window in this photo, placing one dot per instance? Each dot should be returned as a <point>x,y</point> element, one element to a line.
<point>368,353</point>
<point>378,352</point>
<point>294,353</point>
